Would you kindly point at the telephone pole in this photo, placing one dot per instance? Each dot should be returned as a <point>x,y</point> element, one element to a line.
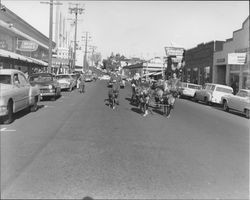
<point>76,9</point>
<point>87,37</point>
<point>50,31</point>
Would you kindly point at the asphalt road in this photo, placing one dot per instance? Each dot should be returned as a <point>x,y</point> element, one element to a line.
<point>77,146</point>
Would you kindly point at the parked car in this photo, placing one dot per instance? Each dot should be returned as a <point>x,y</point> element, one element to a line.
<point>104,77</point>
<point>74,77</point>
<point>212,93</point>
<point>123,83</point>
<point>47,83</point>
<point>16,94</point>
<point>88,78</point>
<point>239,102</point>
<point>188,89</point>
<point>66,82</point>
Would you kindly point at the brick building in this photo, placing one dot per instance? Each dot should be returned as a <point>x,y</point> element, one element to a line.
<point>199,62</point>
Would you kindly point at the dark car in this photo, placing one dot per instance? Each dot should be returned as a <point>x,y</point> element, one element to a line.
<point>47,83</point>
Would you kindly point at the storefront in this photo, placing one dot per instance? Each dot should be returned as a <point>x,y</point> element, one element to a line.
<point>199,62</point>
<point>21,45</point>
<point>231,64</point>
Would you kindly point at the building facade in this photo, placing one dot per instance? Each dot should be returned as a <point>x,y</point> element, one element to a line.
<point>199,62</point>
<point>231,63</point>
<point>20,39</point>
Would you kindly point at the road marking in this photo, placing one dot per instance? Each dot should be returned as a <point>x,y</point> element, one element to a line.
<point>46,106</point>
<point>5,129</point>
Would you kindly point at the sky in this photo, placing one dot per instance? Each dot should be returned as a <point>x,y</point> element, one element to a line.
<point>142,28</point>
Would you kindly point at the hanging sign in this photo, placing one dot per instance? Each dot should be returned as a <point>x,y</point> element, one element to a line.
<point>26,45</point>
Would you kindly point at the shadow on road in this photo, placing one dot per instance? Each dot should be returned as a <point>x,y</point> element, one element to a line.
<point>87,198</point>
<point>137,110</point>
<point>233,112</point>
<point>22,113</point>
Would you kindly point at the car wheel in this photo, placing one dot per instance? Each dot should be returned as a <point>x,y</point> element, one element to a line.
<point>195,98</point>
<point>247,113</point>
<point>53,98</point>
<point>206,101</point>
<point>9,118</point>
<point>225,106</point>
<point>34,107</point>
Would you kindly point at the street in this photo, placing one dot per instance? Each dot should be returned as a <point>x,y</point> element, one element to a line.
<point>77,146</point>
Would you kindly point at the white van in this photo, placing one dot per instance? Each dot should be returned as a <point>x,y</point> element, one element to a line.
<point>189,89</point>
<point>212,93</point>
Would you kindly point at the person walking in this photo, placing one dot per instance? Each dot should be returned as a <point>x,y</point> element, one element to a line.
<point>82,84</point>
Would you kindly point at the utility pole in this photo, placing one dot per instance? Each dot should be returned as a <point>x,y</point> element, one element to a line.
<point>50,31</point>
<point>93,50</point>
<point>87,37</point>
<point>76,10</point>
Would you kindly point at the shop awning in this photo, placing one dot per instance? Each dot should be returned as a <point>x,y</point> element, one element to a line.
<point>39,62</point>
<point>15,56</point>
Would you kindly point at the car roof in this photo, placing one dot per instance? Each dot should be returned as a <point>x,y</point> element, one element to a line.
<point>9,71</point>
<point>245,90</point>
<point>215,84</point>
<point>42,73</point>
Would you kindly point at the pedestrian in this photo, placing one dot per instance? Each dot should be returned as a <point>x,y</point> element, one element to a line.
<point>82,84</point>
<point>234,86</point>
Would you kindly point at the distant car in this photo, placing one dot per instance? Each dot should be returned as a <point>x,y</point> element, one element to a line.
<point>74,77</point>
<point>16,94</point>
<point>123,83</point>
<point>88,78</point>
<point>239,102</point>
<point>47,83</point>
<point>212,93</point>
<point>105,77</point>
<point>66,81</point>
<point>188,89</point>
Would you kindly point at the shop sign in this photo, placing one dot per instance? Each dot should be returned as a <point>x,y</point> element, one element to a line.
<point>26,45</point>
<point>174,51</point>
<point>3,44</point>
<point>221,60</point>
<point>236,58</point>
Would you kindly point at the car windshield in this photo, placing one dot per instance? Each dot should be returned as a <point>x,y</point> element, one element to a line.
<point>62,76</point>
<point>243,93</point>
<point>184,84</point>
<point>222,89</point>
<point>5,78</point>
<point>197,87</point>
<point>41,77</point>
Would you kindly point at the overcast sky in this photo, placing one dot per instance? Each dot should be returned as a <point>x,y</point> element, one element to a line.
<point>144,28</point>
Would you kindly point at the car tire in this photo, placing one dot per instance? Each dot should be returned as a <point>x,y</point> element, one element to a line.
<point>206,101</point>
<point>247,113</point>
<point>34,107</point>
<point>10,116</point>
<point>225,106</point>
<point>195,98</point>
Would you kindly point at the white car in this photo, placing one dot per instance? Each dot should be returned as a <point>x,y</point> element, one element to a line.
<point>16,94</point>
<point>239,102</point>
<point>105,77</point>
<point>66,81</point>
<point>189,89</point>
<point>212,93</point>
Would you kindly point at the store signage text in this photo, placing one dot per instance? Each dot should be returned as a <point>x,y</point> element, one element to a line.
<point>236,58</point>
<point>26,45</point>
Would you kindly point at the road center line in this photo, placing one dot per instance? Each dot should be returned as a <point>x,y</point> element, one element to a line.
<point>6,130</point>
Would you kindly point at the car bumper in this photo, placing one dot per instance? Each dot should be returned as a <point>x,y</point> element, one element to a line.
<point>47,92</point>
<point>3,110</point>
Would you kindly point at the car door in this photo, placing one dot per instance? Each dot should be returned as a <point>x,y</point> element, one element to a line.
<point>25,88</point>
<point>17,93</point>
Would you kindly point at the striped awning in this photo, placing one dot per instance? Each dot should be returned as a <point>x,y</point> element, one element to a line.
<point>15,56</point>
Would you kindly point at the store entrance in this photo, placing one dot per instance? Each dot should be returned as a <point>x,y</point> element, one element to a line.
<point>221,74</point>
